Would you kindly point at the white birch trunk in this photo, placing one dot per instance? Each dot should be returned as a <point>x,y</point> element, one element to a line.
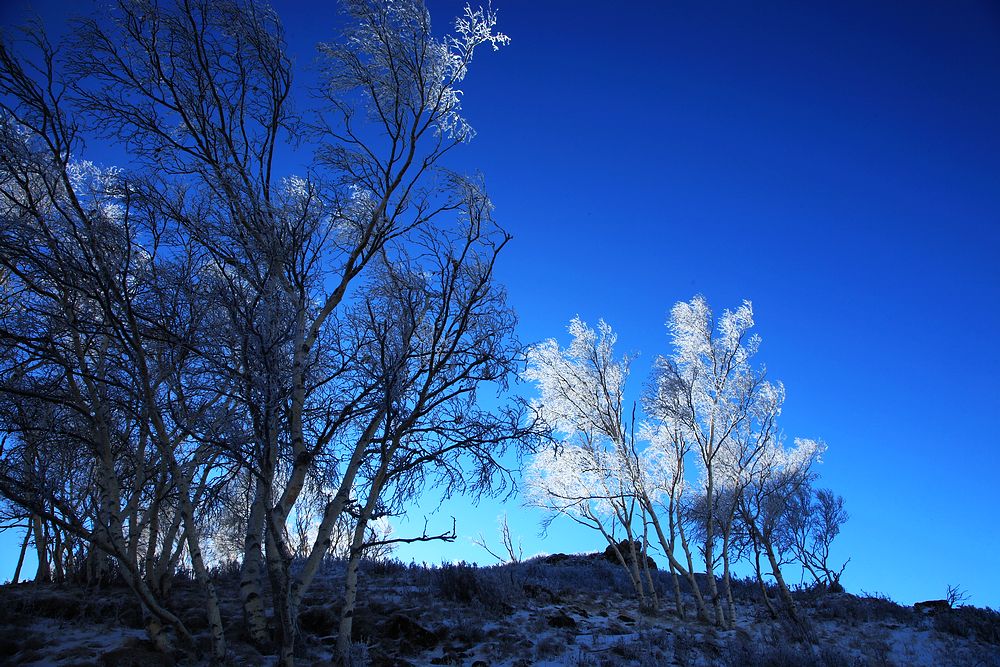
<point>252,572</point>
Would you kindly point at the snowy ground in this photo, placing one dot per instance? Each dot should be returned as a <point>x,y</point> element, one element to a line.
<point>579,611</point>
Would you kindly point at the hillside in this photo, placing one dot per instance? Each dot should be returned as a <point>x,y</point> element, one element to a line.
<point>561,610</point>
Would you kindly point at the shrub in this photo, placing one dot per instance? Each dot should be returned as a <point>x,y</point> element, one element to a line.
<point>384,566</point>
<point>863,609</point>
<point>743,651</point>
<point>491,588</point>
<point>970,622</point>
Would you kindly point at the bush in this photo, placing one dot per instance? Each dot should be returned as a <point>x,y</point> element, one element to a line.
<point>970,622</point>
<point>864,609</point>
<point>491,588</point>
<point>743,651</point>
<point>383,567</point>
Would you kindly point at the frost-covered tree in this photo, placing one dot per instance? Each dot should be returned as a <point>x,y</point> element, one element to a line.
<point>709,396</point>
<point>775,481</point>
<point>590,476</point>
<point>707,472</point>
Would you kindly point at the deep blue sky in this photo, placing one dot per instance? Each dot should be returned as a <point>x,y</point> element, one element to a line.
<point>838,163</point>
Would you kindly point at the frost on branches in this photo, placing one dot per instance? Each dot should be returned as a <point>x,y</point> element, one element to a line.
<point>240,361</point>
<point>384,32</point>
<point>590,474</point>
<point>706,476</point>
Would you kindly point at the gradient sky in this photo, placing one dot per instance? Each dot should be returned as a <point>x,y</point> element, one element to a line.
<point>838,163</point>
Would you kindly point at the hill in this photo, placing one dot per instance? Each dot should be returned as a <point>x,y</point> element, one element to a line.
<point>560,610</point>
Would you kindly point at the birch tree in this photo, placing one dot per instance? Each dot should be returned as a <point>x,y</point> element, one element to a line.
<point>814,520</point>
<point>778,477</point>
<point>201,89</point>
<point>707,471</point>
<point>81,247</point>
<point>590,477</point>
<point>442,333</point>
<point>708,391</point>
<point>205,314</point>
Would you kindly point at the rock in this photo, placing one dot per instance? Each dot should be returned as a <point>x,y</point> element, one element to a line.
<point>556,558</point>
<point>539,592</point>
<point>932,606</point>
<point>408,631</point>
<point>319,620</point>
<point>626,550</point>
<point>561,620</point>
<point>625,618</point>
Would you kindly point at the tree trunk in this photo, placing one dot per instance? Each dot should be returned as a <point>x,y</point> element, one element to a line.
<point>760,582</point>
<point>204,580</point>
<point>727,579</point>
<point>678,601</point>
<point>688,572</point>
<point>42,573</point>
<point>109,517</point>
<point>649,576</point>
<point>57,557</point>
<point>350,593</point>
<point>20,558</point>
<point>357,544</point>
<point>786,595</point>
<point>252,573</point>
<point>332,512</point>
<point>278,565</point>
<point>164,566</point>
<point>713,589</point>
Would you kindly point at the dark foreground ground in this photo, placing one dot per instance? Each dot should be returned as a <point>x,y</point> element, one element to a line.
<point>577,610</point>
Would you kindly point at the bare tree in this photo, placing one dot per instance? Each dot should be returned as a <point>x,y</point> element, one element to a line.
<point>512,553</point>
<point>956,596</point>
<point>814,520</point>
<point>82,248</point>
<point>281,347</point>
<point>775,480</point>
<point>440,331</point>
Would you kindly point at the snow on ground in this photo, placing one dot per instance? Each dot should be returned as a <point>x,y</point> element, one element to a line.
<point>578,612</point>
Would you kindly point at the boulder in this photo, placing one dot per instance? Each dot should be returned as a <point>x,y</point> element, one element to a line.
<point>932,606</point>
<point>626,549</point>
<point>408,631</point>
<point>561,620</point>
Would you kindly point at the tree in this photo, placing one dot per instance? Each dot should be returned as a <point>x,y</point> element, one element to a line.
<point>708,394</point>
<point>814,521</point>
<point>709,412</point>
<point>513,553</point>
<point>86,374</point>
<point>590,475</point>
<point>766,503</point>
<point>221,338</point>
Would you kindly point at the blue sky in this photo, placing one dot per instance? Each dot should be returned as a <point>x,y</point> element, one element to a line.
<point>838,163</point>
